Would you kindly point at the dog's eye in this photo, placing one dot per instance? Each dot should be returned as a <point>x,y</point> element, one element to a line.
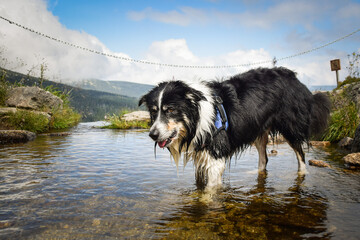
<point>169,110</point>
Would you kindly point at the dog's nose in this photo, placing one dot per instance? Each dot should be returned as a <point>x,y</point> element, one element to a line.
<point>154,134</point>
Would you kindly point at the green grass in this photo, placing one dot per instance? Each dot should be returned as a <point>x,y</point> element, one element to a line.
<point>27,120</point>
<point>64,118</point>
<point>344,118</point>
<point>117,123</point>
<point>343,123</point>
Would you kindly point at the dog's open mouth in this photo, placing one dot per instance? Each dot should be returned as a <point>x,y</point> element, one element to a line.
<point>167,142</point>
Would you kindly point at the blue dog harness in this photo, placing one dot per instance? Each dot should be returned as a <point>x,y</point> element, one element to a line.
<point>221,121</point>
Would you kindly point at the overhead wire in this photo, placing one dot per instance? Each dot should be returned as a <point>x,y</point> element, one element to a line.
<point>273,61</point>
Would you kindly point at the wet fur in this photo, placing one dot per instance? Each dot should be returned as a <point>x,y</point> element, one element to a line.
<point>258,103</point>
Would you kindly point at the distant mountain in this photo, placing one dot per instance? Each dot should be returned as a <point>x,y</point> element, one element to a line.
<point>92,105</point>
<point>117,87</point>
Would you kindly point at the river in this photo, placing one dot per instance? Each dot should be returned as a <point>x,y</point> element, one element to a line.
<point>107,184</point>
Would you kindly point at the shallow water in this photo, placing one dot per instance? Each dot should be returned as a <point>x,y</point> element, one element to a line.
<point>107,184</point>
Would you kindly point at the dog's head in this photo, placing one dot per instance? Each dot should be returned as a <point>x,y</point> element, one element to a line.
<point>174,112</point>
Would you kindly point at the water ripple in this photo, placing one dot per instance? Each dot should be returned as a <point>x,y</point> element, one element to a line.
<point>104,184</point>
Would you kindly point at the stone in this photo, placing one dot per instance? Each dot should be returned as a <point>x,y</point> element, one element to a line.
<point>33,98</point>
<point>16,136</point>
<point>354,93</point>
<point>273,152</point>
<point>318,163</point>
<point>346,143</point>
<point>352,159</point>
<point>137,116</point>
<point>356,142</point>
<point>320,143</point>
<point>8,110</point>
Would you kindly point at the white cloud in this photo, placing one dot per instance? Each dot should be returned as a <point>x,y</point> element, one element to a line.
<point>68,62</point>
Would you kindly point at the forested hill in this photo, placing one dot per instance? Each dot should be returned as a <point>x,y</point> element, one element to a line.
<point>117,87</point>
<point>92,105</point>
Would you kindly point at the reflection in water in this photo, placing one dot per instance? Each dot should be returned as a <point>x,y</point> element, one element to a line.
<point>260,213</point>
<point>106,184</point>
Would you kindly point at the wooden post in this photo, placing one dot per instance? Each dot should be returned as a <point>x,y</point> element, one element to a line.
<point>335,66</point>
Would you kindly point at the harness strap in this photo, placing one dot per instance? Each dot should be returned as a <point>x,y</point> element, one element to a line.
<point>221,121</point>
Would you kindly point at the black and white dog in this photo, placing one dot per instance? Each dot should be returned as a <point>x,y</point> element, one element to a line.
<point>209,122</point>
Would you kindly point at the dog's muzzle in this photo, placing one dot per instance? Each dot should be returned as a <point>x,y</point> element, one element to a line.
<point>154,134</point>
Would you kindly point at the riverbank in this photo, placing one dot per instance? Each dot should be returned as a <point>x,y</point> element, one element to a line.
<point>25,110</point>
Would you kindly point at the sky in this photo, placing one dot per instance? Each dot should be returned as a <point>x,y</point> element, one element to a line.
<point>195,33</point>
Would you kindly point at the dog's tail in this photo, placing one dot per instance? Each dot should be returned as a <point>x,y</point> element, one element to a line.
<point>320,113</point>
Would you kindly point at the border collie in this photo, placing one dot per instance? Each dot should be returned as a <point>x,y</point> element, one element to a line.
<point>209,122</point>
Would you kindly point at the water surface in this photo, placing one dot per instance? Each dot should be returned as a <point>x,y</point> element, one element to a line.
<point>107,184</point>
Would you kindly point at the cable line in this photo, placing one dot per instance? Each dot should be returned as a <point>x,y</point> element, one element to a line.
<point>274,61</point>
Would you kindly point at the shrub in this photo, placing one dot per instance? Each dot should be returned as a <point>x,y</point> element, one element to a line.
<point>64,118</point>
<point>27,120</point>
<point>3,87</point>
<point>348,80</point>
<point>344,119</point>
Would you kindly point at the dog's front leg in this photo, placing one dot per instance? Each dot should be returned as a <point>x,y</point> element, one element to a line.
<point>215,172</point>
<point>209,171</point>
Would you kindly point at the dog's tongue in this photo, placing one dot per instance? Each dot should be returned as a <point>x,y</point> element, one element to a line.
<point>162,144</point>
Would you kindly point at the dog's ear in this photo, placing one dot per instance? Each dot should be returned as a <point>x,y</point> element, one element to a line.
<point>196,96</point>
<point>142,100</point>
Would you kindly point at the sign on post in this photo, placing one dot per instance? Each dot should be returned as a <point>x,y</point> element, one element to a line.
<point>335,66</point>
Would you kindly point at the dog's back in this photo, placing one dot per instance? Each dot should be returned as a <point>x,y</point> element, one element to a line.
<point>274,99</point>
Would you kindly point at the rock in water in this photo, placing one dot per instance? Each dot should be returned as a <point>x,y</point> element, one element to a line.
<point>33,98</point>
<point>352,159</point>
<point>318,163</point>
<point>346,143</point>
<point>16,136</point>
<point>356,142</point>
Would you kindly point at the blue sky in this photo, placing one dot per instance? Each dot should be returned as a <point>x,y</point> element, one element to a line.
<point>118,24</point>
<point>208,32</point>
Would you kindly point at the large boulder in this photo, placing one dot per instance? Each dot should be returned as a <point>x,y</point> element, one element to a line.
<point>33,98</point>
<point>354,92</point>
<point>16,136</point>
<point>355,147</point>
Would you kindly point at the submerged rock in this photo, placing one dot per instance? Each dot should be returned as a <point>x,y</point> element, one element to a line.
<point>352,159</point>
<point>33,98</point>
<point>16,136</point>
<point>319,163</point>
<point>320,143</point>
<point>56,134</point>
<point>346,143</point>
